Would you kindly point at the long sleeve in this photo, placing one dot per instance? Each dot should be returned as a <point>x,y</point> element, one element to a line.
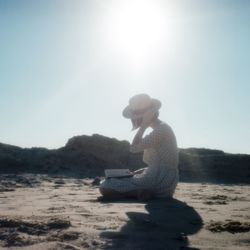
<point>149,141</point>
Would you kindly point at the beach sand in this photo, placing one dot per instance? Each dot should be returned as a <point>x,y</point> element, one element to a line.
<point>41,212</point>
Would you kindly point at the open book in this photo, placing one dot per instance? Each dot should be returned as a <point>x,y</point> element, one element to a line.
<point>118,173</point>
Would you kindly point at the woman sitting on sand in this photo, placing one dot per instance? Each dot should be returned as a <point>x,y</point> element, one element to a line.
<point>160,177</point>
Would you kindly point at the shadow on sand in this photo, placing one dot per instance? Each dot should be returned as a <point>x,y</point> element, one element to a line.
<point>166,225</point>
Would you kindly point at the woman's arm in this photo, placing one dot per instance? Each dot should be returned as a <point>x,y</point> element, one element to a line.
<point>139,143</point>
<point>151,140</point>
<point>138,137</point>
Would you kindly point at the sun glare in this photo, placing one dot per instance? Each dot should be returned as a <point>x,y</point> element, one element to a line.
<point>137,30</point>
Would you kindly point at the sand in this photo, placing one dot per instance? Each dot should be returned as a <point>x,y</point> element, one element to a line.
<point>41,212</point>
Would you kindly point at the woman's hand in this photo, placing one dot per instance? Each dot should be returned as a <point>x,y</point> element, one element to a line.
<point>139,171</point>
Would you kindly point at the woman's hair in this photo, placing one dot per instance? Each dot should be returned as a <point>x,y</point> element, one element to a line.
<point>136,122</point>
<point>156,115</point>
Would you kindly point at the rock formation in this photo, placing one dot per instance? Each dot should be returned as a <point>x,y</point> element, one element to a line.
<point>88,156</point>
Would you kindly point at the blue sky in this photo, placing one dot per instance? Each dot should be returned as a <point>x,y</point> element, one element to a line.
<point>69,67</point>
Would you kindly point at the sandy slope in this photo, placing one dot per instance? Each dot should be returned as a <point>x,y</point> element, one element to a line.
<point>39,212</point>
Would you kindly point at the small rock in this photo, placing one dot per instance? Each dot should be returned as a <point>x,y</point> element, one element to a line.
<point>96,181</point>
<point>59,182</point>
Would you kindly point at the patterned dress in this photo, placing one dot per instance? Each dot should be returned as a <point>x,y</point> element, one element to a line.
<point>161,156</point>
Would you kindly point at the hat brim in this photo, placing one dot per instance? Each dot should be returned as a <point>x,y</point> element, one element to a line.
<point>128,113</point>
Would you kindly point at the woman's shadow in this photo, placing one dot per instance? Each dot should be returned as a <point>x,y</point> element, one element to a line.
<point>166,225</point>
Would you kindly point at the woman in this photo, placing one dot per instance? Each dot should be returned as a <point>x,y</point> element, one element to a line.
<point>160,177</point>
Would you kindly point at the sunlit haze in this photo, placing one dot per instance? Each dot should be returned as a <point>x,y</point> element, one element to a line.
<point>69,68</point>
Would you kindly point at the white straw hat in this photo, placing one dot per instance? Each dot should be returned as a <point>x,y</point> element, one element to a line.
<point>139,104</point>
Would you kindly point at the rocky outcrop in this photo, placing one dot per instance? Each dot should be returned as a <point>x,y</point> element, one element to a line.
<point>201,165</point>
<point>82,155</point>
<point>90,155</point>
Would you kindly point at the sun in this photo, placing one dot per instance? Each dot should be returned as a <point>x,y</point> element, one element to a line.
<point>137,30</point>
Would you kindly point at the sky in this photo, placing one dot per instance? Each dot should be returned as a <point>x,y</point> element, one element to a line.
<point>68,68</point>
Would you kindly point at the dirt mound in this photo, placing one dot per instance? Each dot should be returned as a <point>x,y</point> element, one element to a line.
<point>229,226</point>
